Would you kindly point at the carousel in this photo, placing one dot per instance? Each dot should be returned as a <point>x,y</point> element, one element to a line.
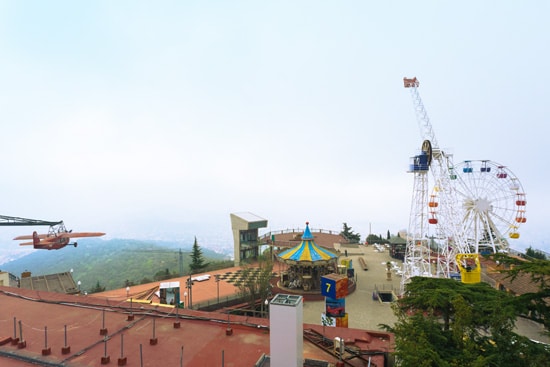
<point>306,264</point>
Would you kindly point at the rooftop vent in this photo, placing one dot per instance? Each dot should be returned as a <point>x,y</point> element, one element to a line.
<point>286,299</point>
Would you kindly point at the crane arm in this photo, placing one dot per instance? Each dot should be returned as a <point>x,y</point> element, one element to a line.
<point>426,130</point>
<point>16,221</point>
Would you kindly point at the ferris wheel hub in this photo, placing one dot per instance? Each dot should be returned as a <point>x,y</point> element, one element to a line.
<point>483,206</point>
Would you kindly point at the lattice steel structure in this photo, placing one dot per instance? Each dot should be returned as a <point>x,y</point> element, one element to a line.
<point>434,236</point>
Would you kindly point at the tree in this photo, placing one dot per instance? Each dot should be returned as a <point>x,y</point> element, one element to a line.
<point>535,254</point>
<point>255,284</point>
<point>163,274</point>
<point>348,233</point>
<point>145,281</point>
<point>443,322</point>
<point>535,304</point>
<point>197,260</point>
<point>97,288</point>
<point>372,238</point>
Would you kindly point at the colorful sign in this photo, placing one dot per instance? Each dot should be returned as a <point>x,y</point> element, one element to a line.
<point>347,263</point>
<point>335,307</point>
<point>334,286</point>
<point>342,321</point>
<point>327,320</point>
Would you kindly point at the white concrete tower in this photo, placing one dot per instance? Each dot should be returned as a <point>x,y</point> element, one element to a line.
<point>286,340</point>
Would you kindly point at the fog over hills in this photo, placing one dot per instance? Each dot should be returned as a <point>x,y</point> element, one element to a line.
<point>110,262</point>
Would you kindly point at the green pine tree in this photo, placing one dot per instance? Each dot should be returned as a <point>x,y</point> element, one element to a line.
<point>197,260</point>
<point>97,288</point>
<point>349,234</point>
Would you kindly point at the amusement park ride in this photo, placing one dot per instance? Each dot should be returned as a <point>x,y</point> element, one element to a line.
<point>470,208</point>
<point>57,237</point>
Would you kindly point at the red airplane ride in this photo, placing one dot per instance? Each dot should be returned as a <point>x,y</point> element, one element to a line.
<point>55,239</point>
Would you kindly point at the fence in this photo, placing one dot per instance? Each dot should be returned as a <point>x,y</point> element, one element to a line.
<point>267,236</point>
<point>213,304</point>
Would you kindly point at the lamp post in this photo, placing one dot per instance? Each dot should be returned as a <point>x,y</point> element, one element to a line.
<point>218,285</point>
<point>185,298</point>
<point>189,286</point>
<point>127,291</point>
<point>79,283</point>
<point>266,303</point>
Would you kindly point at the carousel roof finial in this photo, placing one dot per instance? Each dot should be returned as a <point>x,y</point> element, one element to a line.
<point>307,233</point>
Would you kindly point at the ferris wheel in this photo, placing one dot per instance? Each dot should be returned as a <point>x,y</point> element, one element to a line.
<point>474,207</point>
<point>491,204</point>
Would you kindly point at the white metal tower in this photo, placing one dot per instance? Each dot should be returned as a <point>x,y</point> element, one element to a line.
<point>417,254</point>
<point>434,237</point>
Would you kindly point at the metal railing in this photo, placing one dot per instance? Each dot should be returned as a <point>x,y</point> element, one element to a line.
<point>267,236</point>
<point>213,304</point>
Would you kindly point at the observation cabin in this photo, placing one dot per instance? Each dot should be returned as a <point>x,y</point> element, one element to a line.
<point>469,267</point>
<point>245,227</point>
<point>419,163</point>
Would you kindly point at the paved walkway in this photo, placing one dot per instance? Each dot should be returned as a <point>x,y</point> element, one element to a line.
<point>366,313</point>
<point>363,311</point>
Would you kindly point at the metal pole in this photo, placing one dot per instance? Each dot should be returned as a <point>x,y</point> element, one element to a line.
<point>103,322</point>
<point>141,355</point>
<point>190,292</point>
<point>46,337</point>
<point>218,285</point>
<point>121,345</point>
<point>65,335</point>
<point>20,331</point>
<point>180,260</point>
<point>14,328</point>
<point>223,357</point>
<point>181,357</point>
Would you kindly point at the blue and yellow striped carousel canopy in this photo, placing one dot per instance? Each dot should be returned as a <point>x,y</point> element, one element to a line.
<point>307,250</point>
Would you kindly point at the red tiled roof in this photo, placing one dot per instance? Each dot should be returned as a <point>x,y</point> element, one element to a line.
<point>151,334</point>
<point>520,285</point>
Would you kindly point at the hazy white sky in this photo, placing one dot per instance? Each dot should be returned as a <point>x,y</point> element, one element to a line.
<point>159,119</point>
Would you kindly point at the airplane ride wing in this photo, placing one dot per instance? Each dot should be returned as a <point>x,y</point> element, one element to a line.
<point>26,244</point>
<point>30,237</point>
<point>80,234</point>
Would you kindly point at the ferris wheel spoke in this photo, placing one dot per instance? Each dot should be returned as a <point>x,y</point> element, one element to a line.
<point>503,221</point>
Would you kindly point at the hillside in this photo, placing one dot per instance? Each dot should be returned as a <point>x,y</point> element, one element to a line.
<point>110,262</point>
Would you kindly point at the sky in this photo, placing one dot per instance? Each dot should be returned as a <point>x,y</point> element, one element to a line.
<point>157,120</point>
